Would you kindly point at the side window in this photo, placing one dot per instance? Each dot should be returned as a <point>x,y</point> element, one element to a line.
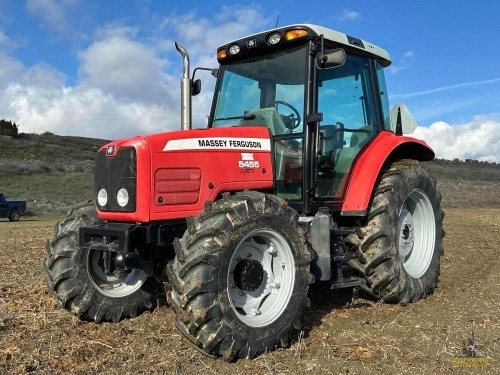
<point>345,97</point>
<point>384,96</point>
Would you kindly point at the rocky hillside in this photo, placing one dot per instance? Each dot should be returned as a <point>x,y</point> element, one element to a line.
<point>53,173</point>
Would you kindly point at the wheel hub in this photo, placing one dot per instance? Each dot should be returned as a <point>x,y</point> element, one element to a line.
<point>406,233</point>
<point>261,277</point>
<point>110,281</point>
<point>248,274</point>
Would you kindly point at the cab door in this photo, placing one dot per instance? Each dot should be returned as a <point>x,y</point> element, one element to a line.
<point>346,98</point>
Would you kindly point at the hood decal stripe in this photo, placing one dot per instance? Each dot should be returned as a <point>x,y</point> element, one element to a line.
<point>219,143</point>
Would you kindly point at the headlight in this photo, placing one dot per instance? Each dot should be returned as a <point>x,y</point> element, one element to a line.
<point>102,197</point>
<point>122,197</point>
<point>274,38</point>
<point>234,49</point>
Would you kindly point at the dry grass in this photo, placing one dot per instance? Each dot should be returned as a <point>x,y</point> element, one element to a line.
<point>339,335</point>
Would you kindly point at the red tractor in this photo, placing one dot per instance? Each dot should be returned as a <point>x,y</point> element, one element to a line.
<point>302,174</point>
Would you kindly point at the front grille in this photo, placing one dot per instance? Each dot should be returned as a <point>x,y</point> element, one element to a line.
<point>115,173</point>
<point>177,186</point>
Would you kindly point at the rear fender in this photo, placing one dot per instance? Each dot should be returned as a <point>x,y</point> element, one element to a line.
<point>366,169</point>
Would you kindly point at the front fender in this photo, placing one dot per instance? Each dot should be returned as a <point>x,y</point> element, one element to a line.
<point>387,146</point>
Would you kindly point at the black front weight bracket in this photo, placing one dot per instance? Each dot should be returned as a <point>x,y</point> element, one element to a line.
<point>117,238</point>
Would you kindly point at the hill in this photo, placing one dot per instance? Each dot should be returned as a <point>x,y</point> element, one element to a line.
<point>53,173</point>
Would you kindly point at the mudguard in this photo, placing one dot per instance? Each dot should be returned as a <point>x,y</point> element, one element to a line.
<point>370,162</point>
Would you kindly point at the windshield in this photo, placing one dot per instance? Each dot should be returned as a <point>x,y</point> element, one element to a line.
<point>268,90</point>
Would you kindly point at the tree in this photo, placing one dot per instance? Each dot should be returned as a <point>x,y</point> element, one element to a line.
<point>8,128</point>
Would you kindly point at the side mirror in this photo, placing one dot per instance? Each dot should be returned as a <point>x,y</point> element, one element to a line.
<point>402,122</point>
<point>196,87</point>
<point>331,59</point>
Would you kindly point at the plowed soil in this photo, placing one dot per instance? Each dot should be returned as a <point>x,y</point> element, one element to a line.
<point>341,334</point>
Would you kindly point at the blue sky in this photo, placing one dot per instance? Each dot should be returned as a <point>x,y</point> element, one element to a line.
<point>109,69</point>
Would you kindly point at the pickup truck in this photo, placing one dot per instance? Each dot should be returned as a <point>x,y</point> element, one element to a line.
<point>11,209</point>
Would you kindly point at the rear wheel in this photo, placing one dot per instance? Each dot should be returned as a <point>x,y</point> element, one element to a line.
<point>14,215</point>
<point>240,277</point>
<point>401,239</point>
<point>77,279</point>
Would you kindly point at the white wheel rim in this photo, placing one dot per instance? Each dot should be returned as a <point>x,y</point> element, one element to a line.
<point>416,233</point>
<point>112,286</point>
<point>265,304</point>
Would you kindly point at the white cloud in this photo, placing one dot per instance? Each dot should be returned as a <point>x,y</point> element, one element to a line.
<point>125,68</point>
<point>44,76</point>
<point>446,88</point>
<point>478,139</point>
<point>10,69</point>
<point>4,39</point>
<point>55,15</point>
<point>85,112</point>
<point>349,15</point>
<point>407,60</point>
<point>127,85</point>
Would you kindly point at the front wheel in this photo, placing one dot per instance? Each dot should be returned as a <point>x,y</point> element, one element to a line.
<point>77,279</point>
<point>400,242</point>
<point>240,277</point>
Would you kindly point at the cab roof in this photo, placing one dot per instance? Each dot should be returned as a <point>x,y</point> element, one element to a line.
<point>313,31</point>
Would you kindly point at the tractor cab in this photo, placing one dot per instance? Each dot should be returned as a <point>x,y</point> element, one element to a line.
<point>320,93</point>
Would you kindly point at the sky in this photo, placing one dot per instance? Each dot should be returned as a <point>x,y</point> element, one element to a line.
<point>109,69</point>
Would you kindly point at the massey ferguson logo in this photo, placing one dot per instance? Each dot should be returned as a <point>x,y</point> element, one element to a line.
<point>110,150</point>
<point>252,43</point>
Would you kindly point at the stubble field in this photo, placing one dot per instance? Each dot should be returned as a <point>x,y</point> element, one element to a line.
<point>340,335</point>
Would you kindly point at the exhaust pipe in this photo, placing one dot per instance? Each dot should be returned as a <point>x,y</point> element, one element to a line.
<point>185,90</point>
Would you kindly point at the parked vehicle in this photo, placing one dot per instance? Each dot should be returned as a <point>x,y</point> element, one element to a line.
<point>11,209</point>
<point>301,175</point>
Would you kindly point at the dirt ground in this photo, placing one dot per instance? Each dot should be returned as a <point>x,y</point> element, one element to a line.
<point>340,335</point>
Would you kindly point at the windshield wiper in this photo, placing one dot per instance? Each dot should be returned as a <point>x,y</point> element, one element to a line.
<point>244,117</point>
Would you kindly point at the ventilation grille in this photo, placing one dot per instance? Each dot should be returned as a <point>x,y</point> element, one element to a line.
<point>177,186</point>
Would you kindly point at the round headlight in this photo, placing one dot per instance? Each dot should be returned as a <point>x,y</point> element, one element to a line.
<point>234,49</point>
<point>274,38</point>
<point>122,197</point>
<point>102,197</point>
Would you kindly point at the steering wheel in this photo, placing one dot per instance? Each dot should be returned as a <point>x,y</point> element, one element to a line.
<point>291,121</point>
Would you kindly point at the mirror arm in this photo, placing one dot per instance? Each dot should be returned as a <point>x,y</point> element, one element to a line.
<point>214,71</point>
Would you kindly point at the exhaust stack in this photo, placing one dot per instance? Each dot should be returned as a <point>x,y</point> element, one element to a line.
<point>185,90</point>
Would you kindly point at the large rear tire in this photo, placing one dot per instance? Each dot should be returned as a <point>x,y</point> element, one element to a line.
<point>77,280</point>
<point>240,277</point>
<point>400,241</point>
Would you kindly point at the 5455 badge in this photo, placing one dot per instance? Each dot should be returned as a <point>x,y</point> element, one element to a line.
<point>247,164</point>
<point>247,161</point>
